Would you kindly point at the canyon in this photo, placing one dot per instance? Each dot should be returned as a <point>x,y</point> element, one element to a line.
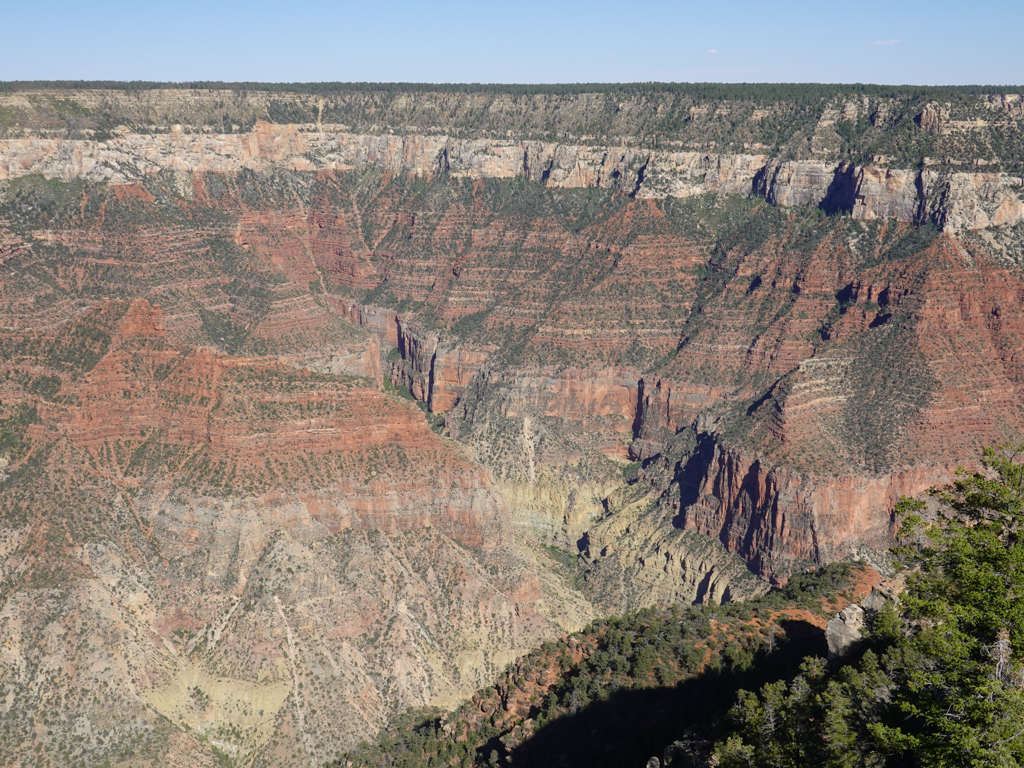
<point>316,407</point>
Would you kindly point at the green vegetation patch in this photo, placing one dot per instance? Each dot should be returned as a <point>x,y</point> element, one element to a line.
<point>12,431</point>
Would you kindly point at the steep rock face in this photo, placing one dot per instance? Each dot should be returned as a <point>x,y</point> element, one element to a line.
<point>683,174</point>
<point>380,321</point>
<point>979,200</point>
<point>881,194</point>
<point>955,201</point>
<point>962,200</point>
<point>777,519</point>
<point>797,183</point>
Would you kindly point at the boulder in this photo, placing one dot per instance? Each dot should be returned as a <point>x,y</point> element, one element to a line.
<point>845,631</point>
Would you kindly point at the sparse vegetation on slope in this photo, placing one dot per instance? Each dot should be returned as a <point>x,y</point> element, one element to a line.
<point>937,679</point>
<point>623,686</point>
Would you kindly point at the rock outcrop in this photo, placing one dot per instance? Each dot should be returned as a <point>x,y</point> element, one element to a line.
<point>960,200</point>
<point>845,631</point>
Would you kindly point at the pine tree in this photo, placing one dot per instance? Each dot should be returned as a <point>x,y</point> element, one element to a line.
<point>944,684</point>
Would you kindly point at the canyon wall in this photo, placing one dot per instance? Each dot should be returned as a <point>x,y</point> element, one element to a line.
<point>293,388</point>
<point>833,369</point>
<point>955,199</point>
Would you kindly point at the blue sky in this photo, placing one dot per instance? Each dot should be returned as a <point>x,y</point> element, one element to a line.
<point>927,43</point>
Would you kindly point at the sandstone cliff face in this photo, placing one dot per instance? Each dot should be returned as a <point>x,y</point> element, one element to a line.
<point>778,520</point>
<point>956,201</point>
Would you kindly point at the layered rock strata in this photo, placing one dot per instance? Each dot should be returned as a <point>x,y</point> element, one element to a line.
<point>806,430</point>
<point>275,559</point>
<point>957,200</point>
<point>677,361</point>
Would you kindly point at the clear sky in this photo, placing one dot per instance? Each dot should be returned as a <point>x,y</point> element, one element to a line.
<point>530,41</point>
